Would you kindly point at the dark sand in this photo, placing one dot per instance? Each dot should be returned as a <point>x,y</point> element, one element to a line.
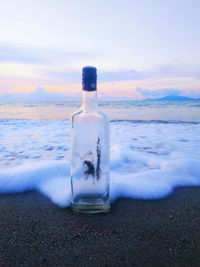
<point>34,232</point>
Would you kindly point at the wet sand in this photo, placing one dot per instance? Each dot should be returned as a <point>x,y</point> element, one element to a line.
<point>34,232</point>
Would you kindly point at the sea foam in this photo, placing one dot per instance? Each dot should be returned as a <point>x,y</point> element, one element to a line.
<point>148,160</point>
<point>52,179</point>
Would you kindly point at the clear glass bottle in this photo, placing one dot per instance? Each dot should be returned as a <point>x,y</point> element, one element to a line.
<point>90,151</point>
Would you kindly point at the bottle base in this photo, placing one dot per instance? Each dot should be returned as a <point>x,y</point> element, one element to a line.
<point>90,209</point>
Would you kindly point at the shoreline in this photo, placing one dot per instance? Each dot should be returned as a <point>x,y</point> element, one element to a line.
<point>165,232</point>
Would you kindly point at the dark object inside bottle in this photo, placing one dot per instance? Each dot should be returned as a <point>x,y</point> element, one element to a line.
<point>90,166</point>
<point>98,171</point>
<point>90,169</point>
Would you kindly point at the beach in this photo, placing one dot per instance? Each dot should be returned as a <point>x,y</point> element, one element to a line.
<point>100,105</point>
<point>154,189</point>
<point>34,232</point>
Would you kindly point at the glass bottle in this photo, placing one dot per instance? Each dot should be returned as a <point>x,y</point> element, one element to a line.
<point>90,151</point>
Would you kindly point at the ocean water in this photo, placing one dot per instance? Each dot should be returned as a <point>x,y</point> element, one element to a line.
<point>155,147</point>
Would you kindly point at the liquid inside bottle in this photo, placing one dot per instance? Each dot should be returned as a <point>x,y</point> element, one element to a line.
<point>90,152</point>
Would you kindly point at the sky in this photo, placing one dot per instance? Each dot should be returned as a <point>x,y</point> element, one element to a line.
<point>141,48</point>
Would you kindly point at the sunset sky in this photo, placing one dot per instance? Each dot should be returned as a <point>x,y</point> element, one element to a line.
<point>141,48</point>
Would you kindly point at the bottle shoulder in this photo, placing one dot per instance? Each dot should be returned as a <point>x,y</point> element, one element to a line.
<point>76,113</point>
<point>82,114</point>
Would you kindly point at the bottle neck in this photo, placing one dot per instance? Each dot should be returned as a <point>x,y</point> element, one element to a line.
<point>89,100</point>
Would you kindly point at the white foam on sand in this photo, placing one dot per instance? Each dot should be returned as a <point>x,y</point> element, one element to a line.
<point>148,161</point>
<point>52,179</point>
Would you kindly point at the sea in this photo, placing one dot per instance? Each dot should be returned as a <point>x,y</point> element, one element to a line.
<point>155,148</point>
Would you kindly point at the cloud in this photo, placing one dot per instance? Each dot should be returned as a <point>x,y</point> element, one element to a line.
<point>39,94</point>
<point>159,93</point>
<point>19,53</point>
<point>62,64</point>
<point>37,55</point>
<point>123,75</point>
<point>102,76</point>
<point>4,89</point>
<point>61,77</point>
<point>163,71</point>
<point>176,69</point>
<point>193,94</point>
<point>20,64</point>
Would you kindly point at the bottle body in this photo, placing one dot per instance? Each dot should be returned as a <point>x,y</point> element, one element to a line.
<point>90,158</point>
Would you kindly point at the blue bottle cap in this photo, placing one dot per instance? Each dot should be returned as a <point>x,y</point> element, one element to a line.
<point>89,78</point>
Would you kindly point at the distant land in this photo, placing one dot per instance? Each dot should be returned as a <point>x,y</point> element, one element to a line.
<point>172,98</point>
